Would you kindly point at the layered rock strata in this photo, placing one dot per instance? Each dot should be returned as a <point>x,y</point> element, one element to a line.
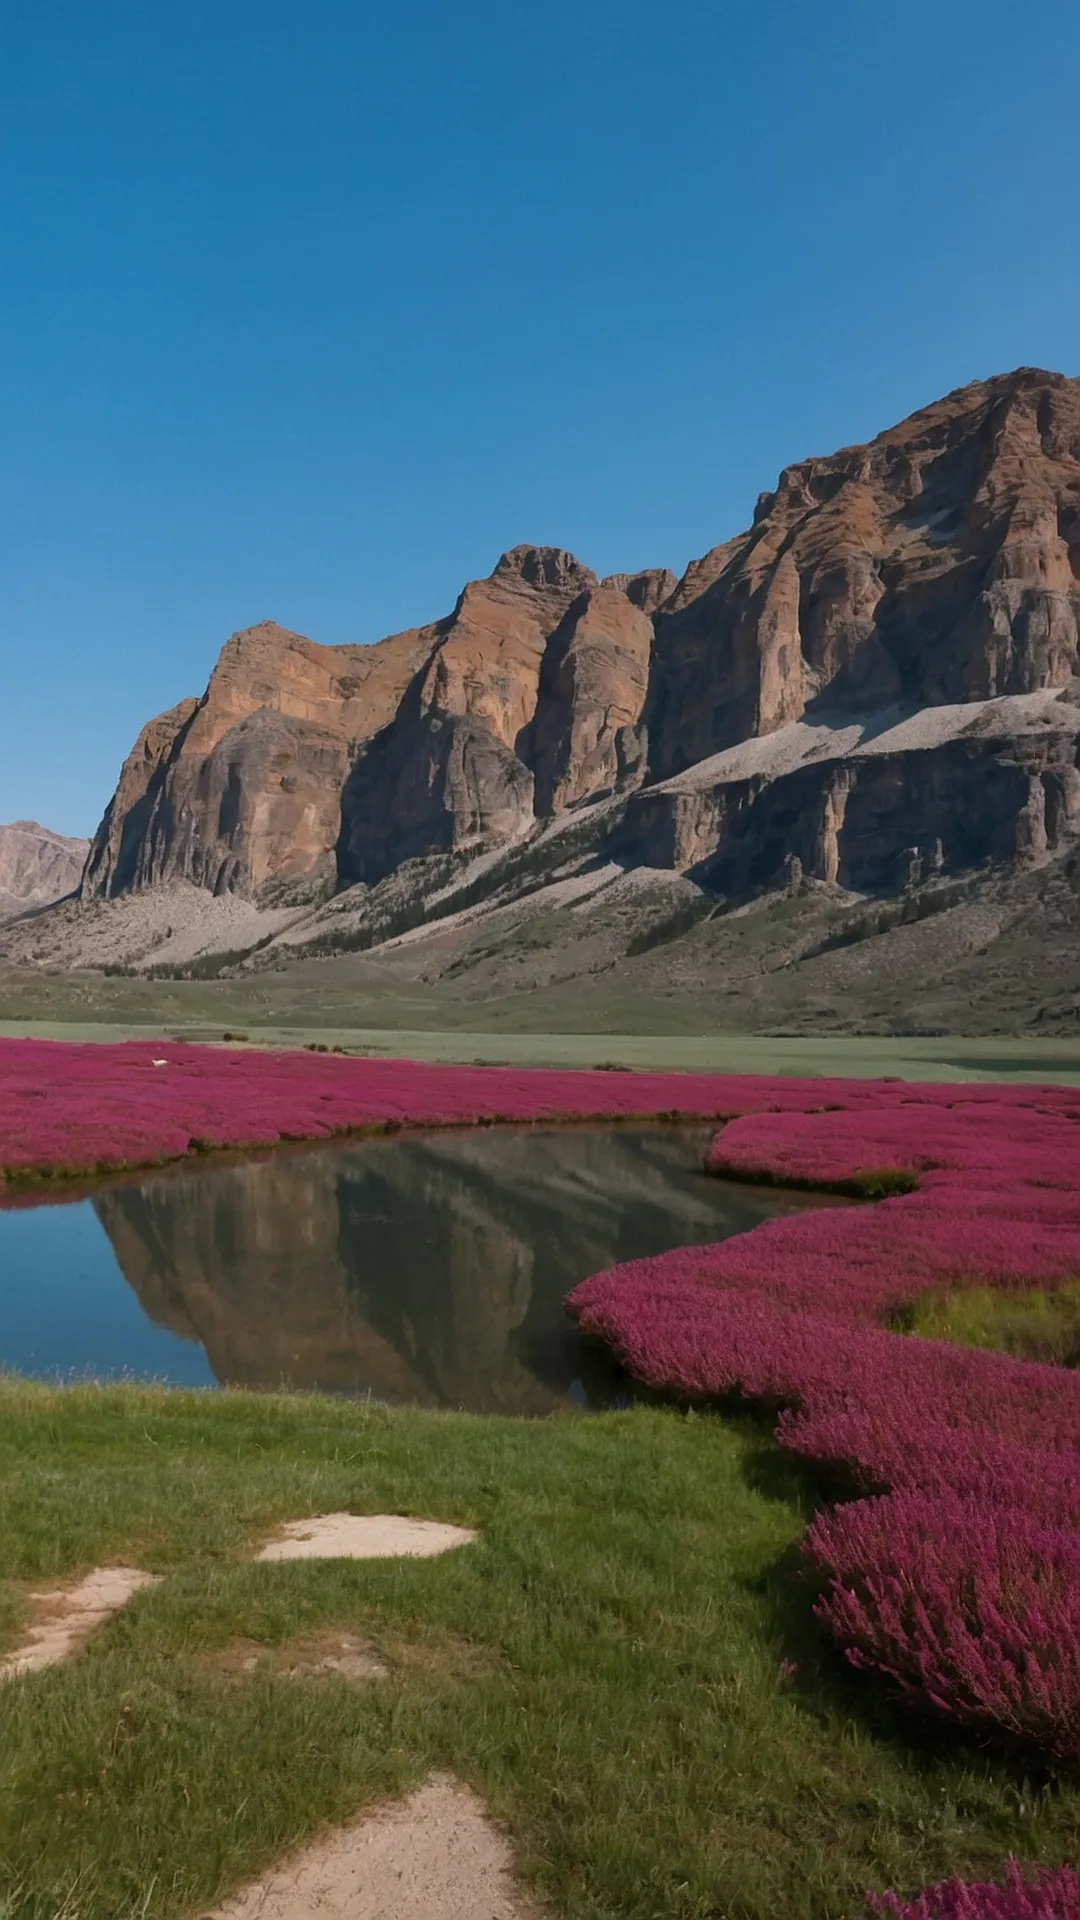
<point>874,806</point>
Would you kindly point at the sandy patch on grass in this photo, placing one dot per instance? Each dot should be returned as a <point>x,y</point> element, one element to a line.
<point>434,1856</point>
<point>306,1657</point>
<point>362,1536</point>
<point>67,1615</point>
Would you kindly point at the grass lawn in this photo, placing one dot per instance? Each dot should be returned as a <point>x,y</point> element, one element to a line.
<point>610,1666</point>
<point>1029,1322</point>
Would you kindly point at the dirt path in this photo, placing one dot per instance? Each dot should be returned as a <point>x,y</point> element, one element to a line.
<point>434,1856</point>
<point>67,1615</point>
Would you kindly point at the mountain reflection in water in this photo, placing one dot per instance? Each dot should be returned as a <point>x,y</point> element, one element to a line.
<point>429,1269</point>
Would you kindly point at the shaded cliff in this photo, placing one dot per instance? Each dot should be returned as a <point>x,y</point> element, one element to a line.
<point>871,807</point>
<point>242,788</point>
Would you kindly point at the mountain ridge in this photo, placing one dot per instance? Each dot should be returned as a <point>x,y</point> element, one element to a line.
<point>901,620</point>
<point>935,564</point>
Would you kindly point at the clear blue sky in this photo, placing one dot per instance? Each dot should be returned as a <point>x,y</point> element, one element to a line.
<point>310,309</point>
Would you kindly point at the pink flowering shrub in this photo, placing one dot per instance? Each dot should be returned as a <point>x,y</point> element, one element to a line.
<point>968,1605</point>
<point>957,1575</point>
<point>1051,1895</point>
<point>65,1108</point>
<point>956,1572</point>
<point>88,1108</point>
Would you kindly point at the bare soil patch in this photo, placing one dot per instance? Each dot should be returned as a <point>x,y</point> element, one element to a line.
<point>363,1536</point>
<point>438,1658</point>
<point>434,1856</point>
<point>306,1657</point>
<point>66,1615</point>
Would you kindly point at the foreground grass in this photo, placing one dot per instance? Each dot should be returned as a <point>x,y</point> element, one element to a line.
<point>610,1666</point>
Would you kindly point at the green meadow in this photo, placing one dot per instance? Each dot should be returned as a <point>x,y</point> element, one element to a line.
<point>625,1665</point>
<point>935,1058</point>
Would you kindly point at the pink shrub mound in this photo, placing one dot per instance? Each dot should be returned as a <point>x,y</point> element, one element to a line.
<point>958,1578</point>
<point>1006,1128</point>
<point>968,1605</point>
<point>1051,1895</point>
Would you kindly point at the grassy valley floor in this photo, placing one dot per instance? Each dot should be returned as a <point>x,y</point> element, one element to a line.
<point>625,1666</point>
<point>936,1058</point>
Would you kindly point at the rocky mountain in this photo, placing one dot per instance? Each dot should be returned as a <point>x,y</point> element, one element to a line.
<point>37,867</point>
<point>871,691</point>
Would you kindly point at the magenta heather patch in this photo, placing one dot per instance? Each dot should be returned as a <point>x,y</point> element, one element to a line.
<point>967,1605</point>
<point>1050,1894</point>
<point>82,1108</point>
<point>962,1584</point>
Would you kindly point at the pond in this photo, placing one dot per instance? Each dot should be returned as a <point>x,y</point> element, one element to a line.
<point>428,1269</point>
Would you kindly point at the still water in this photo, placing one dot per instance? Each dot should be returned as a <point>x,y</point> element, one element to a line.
<point>429,1269</point>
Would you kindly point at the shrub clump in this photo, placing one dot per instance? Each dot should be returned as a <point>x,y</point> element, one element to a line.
<point>953,1570</point>
<point>1053,1894</point>
<point>969,1606</point>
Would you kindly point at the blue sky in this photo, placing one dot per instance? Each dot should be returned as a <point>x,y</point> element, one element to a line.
<point>310,310</point>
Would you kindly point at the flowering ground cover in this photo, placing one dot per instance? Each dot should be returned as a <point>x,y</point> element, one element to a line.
<point>1053,1895</point>
<point>84,1108</point>
<point>957,1574</point>
<point>76,1109</point>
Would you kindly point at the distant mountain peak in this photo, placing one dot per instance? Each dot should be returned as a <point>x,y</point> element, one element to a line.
<point>544,567</point>
<point>37,866</point>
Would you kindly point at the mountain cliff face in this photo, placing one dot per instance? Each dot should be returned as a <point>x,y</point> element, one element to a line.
<point>766,715</point>
<point>36,867</point>
<point>451,767</point>
<point>938,564</point>
<point>243,787</point>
